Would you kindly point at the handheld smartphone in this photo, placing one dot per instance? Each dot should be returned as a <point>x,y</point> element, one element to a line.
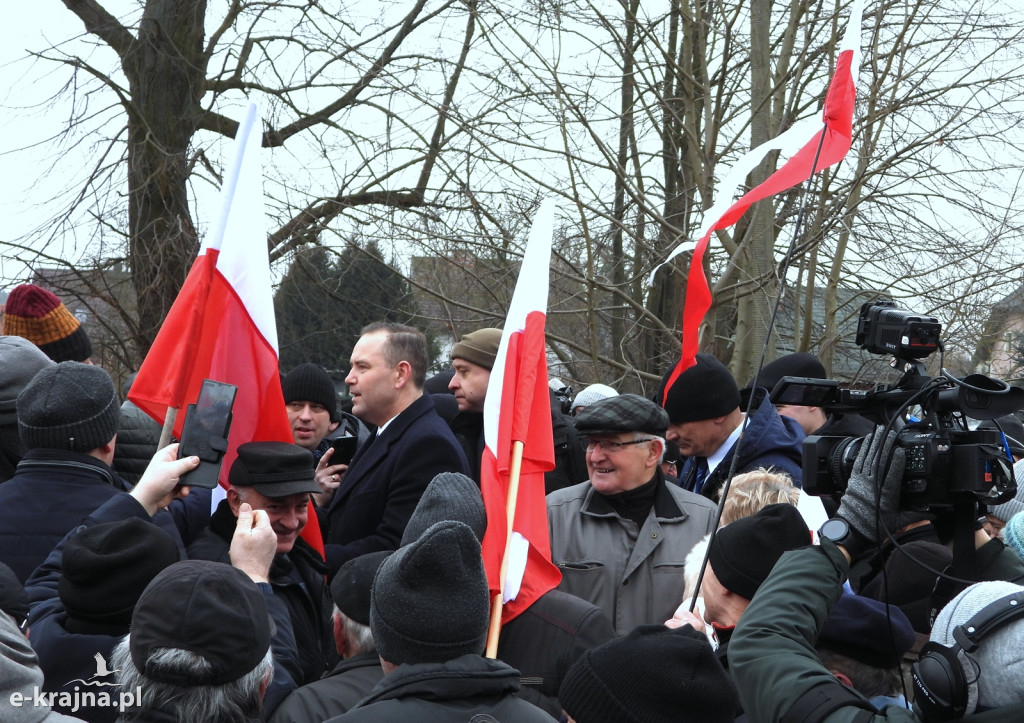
<point>205,433</point>
<point>344,449</point>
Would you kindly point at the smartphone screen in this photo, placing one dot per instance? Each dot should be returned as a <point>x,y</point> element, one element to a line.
<point>344,449</point>
<point>205,432</point>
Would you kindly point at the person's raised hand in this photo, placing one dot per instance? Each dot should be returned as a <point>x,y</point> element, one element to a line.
<point>254,543</point>
<point>159,483</point>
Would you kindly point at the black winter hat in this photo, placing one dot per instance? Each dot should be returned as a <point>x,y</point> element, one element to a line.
<point>704,391</point>
<point>311,383</point>
<point>798,364</point>
<point>105,568</point>
<point>429,602</point>
<point>624,413</point>
<point>208,608</point>
<point>449,496</point>
<point>653,675</point>
<point>70,406</point>
<point>744,552</point>
<point>859,628</point>
<point>274,469</point>
<point>350,588</point>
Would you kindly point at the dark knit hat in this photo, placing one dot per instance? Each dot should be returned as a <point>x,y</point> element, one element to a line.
<point>859,628</point>
<point>20,360</point>
<point>311,383</point>
<point>274,469</point>
<point>449,496</point>
<point>745,551</point>
<point>69,406</point>
<point>350,588</point>
<point>704,391</point>
<point>105,568</point>
<point>429,602</point>
<point>208,608</point>
<point>13,599</point>
<point>41,317</point>
<point>624,413</point>
<point>653,675</point>
<point>798,364</point>
<point>479,347</point>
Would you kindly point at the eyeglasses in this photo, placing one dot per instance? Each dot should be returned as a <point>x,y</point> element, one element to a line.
<point>609,446</point>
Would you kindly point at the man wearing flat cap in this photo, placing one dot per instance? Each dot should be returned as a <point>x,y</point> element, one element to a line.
<point>277,477</point>
<point>621,538</point>
<point>705,420</point>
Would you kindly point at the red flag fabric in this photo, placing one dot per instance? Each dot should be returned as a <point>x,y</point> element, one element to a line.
<point>517,408</point>
<point>222,326</point>
<point>829,144</point>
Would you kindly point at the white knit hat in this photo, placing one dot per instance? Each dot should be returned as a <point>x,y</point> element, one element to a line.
<point>593,393</point>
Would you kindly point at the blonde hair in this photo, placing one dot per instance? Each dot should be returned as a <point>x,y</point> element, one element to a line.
<point>754,490</point>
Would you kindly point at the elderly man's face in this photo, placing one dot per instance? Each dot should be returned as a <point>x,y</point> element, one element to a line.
<point>618,462</point>
<point>699,438</point>
<point>288,515</point>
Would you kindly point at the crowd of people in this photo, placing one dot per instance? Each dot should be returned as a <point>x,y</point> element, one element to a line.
<point>696,583</point>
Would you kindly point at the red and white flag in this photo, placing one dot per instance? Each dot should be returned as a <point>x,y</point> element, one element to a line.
<point>810,147</point>
<point>518,408</point>
<point>222,324</point>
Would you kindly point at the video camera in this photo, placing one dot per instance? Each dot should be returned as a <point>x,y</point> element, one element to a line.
<point>946,462</point>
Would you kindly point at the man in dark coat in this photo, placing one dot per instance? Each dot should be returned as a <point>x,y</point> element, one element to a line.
<point>67,418</point>
<point>359,670</point>
<point>374,498</point>
<point>705,420</point>
<point>20,360</point>
<point>429,613</point>
<point>277,477</point>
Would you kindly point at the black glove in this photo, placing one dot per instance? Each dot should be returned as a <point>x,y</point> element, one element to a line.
<point>871,502</point>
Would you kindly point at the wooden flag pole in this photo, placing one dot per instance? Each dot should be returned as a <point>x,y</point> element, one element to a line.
<point>165,433</point>
<point>510,508</point>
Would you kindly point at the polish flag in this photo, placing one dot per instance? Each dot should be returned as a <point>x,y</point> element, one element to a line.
<point>812,145</point>
<point>222,324</point>
<point>518,409</point>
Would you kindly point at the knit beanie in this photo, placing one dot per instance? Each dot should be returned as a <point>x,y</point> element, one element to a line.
<point>69,406</point>
<point>653,675</point>
<point>744,552</point>
<point>1013,534</point>
<point>105,568</point>
<point>995,670</point>
<point>429,602</point>
<point>1015,504</point>
<point>39,316</point>
<point>479,347</point>
<point>449,496</point>
<point>704,391</point>
<point>798,364</point>
<point>311,383</point>
<point>20,360</point>
<point>593,393</point>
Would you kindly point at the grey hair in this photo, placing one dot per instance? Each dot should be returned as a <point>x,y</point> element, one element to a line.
<point>358,637</point>
<point>651,437</point>
<point>239,701</point>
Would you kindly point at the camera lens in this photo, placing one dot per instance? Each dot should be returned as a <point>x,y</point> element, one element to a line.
<point>842,459</point>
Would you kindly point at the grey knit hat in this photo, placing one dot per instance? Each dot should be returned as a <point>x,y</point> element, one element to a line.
<point>20,360</point>
<point>593,393</point>
<point>995,669</point>
<point>70,406</point>
<point>429,600</point>
<point>449,496</point>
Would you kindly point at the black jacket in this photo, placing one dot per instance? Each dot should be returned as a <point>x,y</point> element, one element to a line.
<point>297,578</point>
<point>385,480</point>
<point>546,638</point>
<point>450,692</point>
<point>51,492</point>
<point>338,691</point>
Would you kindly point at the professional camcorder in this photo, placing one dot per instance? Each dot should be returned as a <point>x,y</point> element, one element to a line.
<point>946,462</point>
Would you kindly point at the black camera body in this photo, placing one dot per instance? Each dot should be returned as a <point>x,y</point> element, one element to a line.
<point>946,462</point>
